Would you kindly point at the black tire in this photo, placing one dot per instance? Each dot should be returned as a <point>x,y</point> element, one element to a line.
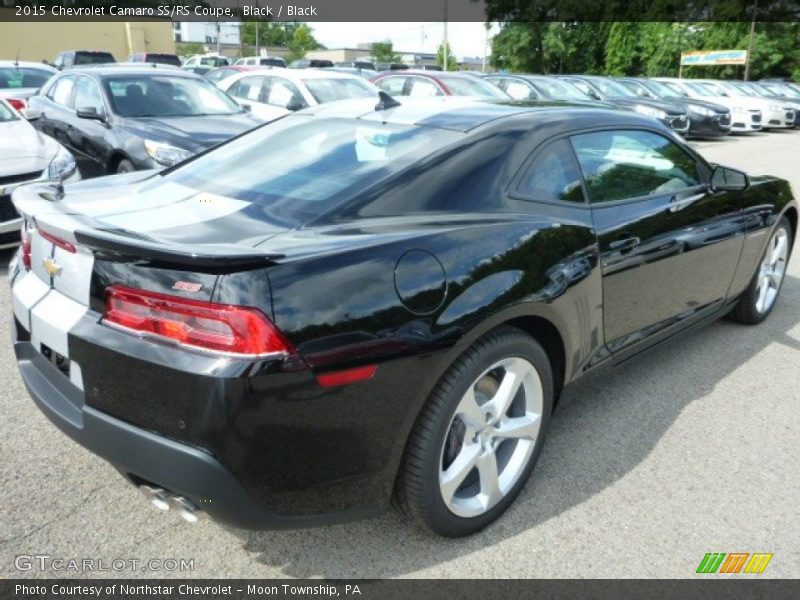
<point>746,310</point>
<point>125,166</point>
<point>418,490</point>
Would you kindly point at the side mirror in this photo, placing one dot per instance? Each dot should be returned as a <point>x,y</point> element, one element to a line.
<point>246,107</point>
<point>89,112</point>
<point>295,105</point>
<point>725,179</point>
<point>31,114</point>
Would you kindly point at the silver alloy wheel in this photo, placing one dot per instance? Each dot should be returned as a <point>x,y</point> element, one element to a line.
<point>772,270</point>
<point>491,437</point>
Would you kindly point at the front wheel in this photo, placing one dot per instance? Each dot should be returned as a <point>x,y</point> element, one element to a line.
<point>477,439</point>
<point>759,298</point>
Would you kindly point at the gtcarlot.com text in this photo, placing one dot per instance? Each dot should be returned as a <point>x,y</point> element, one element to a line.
<point>60,564</point>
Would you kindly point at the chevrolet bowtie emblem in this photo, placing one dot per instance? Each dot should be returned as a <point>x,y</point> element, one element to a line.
<point>51,266</point>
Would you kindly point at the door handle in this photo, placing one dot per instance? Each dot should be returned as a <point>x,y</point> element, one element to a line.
<point>625,243</point>
<point>679,203</point>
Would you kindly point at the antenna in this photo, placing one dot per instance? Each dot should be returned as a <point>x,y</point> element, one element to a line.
<point>16,60</point>
<point>386,101</point>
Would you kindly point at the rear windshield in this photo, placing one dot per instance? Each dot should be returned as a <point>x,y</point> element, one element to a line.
<point>163,59</point>
<point>333,89</point>
<point>299,167</point>
<point>93,58</point>
<point>23,77</point>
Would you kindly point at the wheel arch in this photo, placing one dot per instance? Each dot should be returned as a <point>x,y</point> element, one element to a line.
<point>113,161</point>
<point>791,214</point>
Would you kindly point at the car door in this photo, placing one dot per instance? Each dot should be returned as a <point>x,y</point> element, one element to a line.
<point>57,108</point>
<point>88,137</point>
<point>669,246</point>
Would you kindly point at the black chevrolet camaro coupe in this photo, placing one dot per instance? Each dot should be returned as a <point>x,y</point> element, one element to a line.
<point>359,302</point>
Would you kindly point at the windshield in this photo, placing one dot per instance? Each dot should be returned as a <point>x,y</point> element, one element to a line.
<point>332,89</point>
<point>166,96</point>
<point>612,88</point>
<point>661,90</point>
<point>707,89</point>
<point>743,90</point>
<point>467,86</point>
<point>23,77</point>
<point>299,167</point>
<point>6,114</point>
<point>674,88</point>
<point>781,90</point>
<point>558,90</point>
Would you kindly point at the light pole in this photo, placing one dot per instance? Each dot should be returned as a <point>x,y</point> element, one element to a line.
<point>446,46</point>
<point>750,43</point>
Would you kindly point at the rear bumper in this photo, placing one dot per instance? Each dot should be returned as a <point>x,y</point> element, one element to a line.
<point>148,456</point>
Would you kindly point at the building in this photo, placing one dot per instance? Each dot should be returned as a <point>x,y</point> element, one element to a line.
<point>43,40</point>
<point>223,32</point>
<point>412,59</point>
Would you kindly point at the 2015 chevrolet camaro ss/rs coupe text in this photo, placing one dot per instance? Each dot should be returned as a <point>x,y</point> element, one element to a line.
<point>361,302</point>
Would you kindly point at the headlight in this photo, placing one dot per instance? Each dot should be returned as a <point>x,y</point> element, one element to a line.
<point>164,154</point>
<point>650,111</point>
<point>702,110</point>
<point>62,166</point>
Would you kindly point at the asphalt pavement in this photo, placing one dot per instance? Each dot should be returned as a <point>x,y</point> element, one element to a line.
<point>688,449</point>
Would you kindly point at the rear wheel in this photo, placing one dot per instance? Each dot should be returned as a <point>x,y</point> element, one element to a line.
<point>759,299</point>
<point>479,435</point>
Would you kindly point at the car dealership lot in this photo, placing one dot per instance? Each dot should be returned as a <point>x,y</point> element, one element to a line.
<point>686,450</point>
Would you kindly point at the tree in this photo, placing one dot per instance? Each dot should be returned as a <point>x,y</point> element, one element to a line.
<point>383,52</point>
<point>301,42</point>
<point>269,33</point>
<point>452,63</point>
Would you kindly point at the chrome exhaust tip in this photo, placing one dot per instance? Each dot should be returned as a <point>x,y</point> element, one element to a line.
<point>164,500</point>
<point>156,496</point>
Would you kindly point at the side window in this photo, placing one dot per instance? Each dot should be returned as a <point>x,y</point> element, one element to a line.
<point>422,87</point>
<point>631,164</point>
<point>248,88</point>
<point>69,59</point>
<point>394,86</point>
<point>61,92</point>
<point>553,175</point>
<point>87,95</point>
<point>281,92</point>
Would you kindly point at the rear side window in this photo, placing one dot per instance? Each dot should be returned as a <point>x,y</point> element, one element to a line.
<point>248,88</point>
<point>392,85</point>
<point>618,165</point>
<point>61,92</point>
<point>553,175</point>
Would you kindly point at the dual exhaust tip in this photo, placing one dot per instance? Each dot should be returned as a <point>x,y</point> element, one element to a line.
<point>164,500</point>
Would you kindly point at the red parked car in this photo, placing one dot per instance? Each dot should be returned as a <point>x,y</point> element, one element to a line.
<point>434,83</point>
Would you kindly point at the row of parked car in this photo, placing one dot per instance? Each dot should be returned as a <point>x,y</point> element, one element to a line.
<point>96,119</point>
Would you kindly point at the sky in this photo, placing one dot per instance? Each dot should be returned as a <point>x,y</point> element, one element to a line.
<point>466,39</point>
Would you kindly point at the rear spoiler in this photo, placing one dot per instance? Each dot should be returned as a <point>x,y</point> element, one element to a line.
<point>215,257</point>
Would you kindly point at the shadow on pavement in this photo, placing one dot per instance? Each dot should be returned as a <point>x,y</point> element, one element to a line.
<point>607,425</point>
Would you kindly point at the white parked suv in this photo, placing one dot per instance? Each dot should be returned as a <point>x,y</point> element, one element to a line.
<point>744,118</point>
<point>273,93</point>
<point>261,61</point>
<point>26,155</point>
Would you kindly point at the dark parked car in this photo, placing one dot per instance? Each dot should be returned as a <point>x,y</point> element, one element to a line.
<point>158,58</point>
<point>612,92</point>
<point>77,58</point>
<point>706,119</point>
<point>119,118</point>
<point>310,63</point>
<point>359,300</point>
<point>428,83</point>
<point>358,64</point>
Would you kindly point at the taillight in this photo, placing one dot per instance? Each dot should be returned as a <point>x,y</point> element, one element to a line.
<point>17,103</point>
<point>196,323</point>
<point>63,244</point>
<point>25,243</point>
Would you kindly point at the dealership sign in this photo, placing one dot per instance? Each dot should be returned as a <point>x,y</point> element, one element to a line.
<point>714,57</point>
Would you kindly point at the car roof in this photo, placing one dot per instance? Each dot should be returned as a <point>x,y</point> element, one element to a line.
<point>298,75</point>
<point>464,114</point>
<point>27,65</point>
<point>130,69</point>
